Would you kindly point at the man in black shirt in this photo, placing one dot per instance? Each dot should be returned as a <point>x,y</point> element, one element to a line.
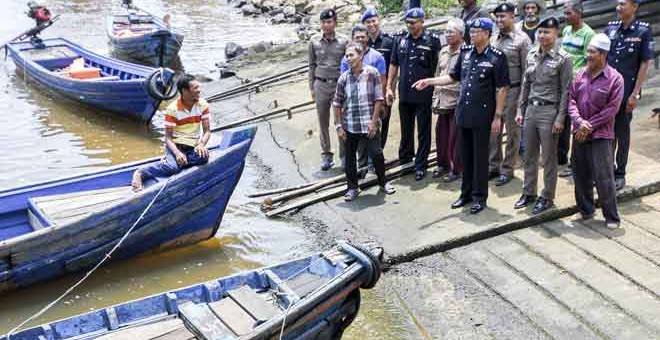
<point>414,57</point>
<point>484,76</point>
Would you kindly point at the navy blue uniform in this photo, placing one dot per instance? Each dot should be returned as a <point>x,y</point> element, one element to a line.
<point>480,74</point>
<point>416,59</point>
<point>384,44</point>
<point>630,47</point>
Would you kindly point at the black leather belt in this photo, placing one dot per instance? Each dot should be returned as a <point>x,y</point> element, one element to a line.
<point>326,80</point>
<point>541,102</point>
<point>514,85</point>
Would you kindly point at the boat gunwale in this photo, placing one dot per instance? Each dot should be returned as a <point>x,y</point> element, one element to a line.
<point>6,245</point>
<point>141,71</point>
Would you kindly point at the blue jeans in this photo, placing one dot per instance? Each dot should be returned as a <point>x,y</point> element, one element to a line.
<point>168,166</point>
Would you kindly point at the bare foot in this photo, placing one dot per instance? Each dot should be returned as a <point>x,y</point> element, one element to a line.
<point>137,181</point>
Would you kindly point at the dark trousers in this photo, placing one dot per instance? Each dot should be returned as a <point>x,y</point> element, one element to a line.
<point>622,142</point>
<point>408,113</point>
<point>446,139</point>
<point>474,154</point>
<point>168,166</point>
<point>374,151</point>
<point>564,142</point>
<point>415,3</point>
<point>363,160</point>
<point>593,161</point>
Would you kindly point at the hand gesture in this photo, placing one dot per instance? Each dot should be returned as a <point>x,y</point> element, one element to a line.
<point>519,120</point>
<point>557,128</point>
<point>202,151</point>
<point>181,159</point>
<point>421,84</point>
<point>496,126</point>
<point>389,97</point>
<point>373,129</point>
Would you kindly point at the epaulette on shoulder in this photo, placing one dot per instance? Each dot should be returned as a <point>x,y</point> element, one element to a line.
<point>644,24</point>
<point>614,23</point>
<point>466,47</point>
<point>496,50</point>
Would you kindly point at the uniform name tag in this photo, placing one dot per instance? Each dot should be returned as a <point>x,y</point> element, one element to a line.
<point>633,39</point>
<point>422,47</point>
<point>485,64</point>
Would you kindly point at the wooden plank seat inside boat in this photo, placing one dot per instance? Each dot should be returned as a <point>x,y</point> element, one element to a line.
<point>46,211</point>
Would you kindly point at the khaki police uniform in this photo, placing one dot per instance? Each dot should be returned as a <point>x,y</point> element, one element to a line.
<point>543,103</point>
<point>516,46</point>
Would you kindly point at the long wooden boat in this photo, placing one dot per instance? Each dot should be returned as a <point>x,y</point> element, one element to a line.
<point>103,83</point>
<point>52,228</point>
<point>315,297</point>
<point>136,35</point>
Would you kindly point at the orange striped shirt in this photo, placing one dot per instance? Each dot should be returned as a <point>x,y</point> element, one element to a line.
<point>187,124</point>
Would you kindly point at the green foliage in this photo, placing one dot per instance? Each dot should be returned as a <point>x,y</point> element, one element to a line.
<point>387,6</point>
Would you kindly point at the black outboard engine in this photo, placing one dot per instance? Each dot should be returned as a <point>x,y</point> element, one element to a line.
<point>39,13</point>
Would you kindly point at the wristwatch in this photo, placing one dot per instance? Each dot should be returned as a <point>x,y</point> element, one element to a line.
<point>337,127</point>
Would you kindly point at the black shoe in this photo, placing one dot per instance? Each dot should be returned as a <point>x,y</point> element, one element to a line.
<point>450,177</point>
<point>542,204</point>
<point>362,174</point>
<point>493,175</point>
<point>419,175</point>
<point>619,183</point>
<point>524,201</point>
<point>461,202</point>
<point>477,207</point>
<point>502,180</point>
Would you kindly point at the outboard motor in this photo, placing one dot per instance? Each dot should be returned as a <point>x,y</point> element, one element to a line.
<point>39,13</point>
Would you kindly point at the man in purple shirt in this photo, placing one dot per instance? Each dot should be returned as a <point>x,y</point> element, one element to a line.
<point>594,100</point>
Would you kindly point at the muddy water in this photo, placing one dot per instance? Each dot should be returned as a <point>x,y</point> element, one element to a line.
<point>43,137</point>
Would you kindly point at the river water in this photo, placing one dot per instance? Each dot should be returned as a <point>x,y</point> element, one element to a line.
<point>44,137</point>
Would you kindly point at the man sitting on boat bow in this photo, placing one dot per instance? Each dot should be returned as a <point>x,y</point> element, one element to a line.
<point>185,146</point>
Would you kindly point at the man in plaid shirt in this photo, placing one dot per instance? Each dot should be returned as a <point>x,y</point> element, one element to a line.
<point>358,104</point>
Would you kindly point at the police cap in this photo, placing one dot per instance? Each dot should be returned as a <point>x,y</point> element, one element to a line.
<point>483,23</point>
<point>328,13</point>
<point>415,13</point>
<point>504,7</point>
<point>549,22</point>
<point>368,14</point>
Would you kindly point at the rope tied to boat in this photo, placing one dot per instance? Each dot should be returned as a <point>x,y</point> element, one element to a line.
<point>107,256</point>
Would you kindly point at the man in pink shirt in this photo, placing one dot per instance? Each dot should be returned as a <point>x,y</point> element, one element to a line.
<point>594,100</point>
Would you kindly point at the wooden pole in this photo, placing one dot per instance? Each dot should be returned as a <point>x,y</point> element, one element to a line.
<point>267,204</point>
<point>257,83</point>
<point>336,192</point>
<point>261,116</point>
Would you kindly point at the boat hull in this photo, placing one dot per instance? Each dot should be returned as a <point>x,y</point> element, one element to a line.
<point>291,312</point>
<point>126,95</point>
<point>189,209</point>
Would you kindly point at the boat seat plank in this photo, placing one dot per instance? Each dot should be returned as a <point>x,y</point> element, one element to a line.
<point>179,334</point>
<point>149,331</point>
<point>233,316</point>
<point>62,209</point>
<point>255,304</point>
<point>305,283</point>
<point>203,322</point>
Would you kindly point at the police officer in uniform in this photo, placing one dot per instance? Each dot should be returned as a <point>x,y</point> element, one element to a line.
<point>543,109</point>
<point>415,55</point>
<point>630,54</point>
<point>515,44</point>
<point>484,75</point>
<point>325,53</point>
<point>383,43</point>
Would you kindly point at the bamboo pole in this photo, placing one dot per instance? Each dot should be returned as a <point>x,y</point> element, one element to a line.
<point>255,84</point>
<point>268,203</point>
<point>261,116</point>
<point>333,193</point>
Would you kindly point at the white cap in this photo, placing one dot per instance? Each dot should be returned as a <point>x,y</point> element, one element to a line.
<point>601,42</point>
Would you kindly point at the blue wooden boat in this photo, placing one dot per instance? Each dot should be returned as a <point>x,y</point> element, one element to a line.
<point>121,87</point>
<point>136,35</point>
<point>315,297</point>
<point>66,225</point>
